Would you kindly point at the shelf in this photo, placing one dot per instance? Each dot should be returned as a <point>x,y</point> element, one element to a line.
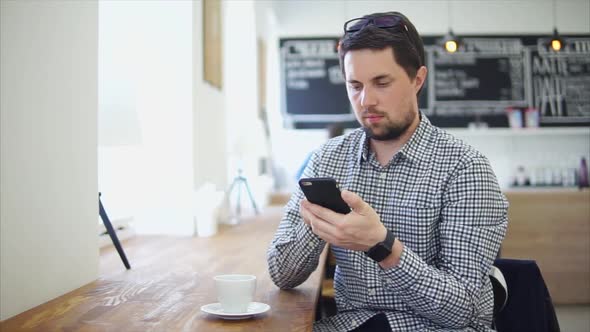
<point>546,131</point>
<point>547,189</point>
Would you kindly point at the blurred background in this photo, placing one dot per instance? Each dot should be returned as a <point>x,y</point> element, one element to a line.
<point>162,105</point>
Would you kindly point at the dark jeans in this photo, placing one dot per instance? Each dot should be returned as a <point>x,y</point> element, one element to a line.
<point>377,323</point>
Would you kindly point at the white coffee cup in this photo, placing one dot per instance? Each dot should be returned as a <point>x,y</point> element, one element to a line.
<point>235,291</point>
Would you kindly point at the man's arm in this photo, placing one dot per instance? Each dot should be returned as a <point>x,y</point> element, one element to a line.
<point>295,250</point>
<point>473,224</point>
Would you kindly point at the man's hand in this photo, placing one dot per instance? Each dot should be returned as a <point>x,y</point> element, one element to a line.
<point>359,230</point>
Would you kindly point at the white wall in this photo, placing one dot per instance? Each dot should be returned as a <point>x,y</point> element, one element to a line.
<point>210,119</point>
<point>145,69</point>
<point>246,143</point>
<point>191,133</point>
<point>48,203</point>
<point>325,18</point>
<point>240,76</point>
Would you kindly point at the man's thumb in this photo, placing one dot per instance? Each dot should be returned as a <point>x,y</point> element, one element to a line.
<point>354,201</point>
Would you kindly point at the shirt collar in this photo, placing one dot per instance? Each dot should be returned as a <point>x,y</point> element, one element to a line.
<point>413,150</point>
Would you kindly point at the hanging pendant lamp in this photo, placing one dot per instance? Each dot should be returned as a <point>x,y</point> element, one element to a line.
<point>451,42</point>
<point>556,42</point>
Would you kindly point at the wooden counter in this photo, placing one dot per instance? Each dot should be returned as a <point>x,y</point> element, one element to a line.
<point>171,278</point>
<point>552,226</point>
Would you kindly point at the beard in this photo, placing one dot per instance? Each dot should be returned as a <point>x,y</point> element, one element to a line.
<point>389,130</point>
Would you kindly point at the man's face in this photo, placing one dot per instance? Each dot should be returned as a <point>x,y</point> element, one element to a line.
<point>382,94</point>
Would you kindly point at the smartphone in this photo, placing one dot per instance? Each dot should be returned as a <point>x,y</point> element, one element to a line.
<point>324,192</point>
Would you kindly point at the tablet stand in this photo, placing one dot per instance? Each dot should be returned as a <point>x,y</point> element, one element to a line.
<point>237,184</point>
<point>111,231</point>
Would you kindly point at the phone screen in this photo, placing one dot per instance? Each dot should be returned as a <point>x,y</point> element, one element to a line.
<point>324,192</point>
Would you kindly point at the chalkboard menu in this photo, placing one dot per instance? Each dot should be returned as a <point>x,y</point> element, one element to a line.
<point>477,84</point>
<point>313,85</point>
<point>489,78</point>
<point>561,83</point>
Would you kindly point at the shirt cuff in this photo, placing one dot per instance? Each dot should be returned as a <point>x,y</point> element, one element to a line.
<point>406,273</point>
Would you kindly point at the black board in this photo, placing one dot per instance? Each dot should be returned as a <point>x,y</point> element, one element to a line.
<point>313,89</point>
<point>476,84</point>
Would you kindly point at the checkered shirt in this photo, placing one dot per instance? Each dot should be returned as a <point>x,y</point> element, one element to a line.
<point>441,198</point>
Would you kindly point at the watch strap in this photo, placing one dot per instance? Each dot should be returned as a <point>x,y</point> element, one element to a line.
<point>381,250</point>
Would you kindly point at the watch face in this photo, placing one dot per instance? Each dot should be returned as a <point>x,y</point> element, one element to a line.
<point>379,252</point>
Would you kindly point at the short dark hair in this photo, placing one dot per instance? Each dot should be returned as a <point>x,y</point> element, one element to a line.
<point>408,48</point>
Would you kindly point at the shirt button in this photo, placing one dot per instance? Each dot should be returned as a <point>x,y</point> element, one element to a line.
<point>310,244</point>
<point>353,323</point>
<point>383,175</point>
<point>371,292</point>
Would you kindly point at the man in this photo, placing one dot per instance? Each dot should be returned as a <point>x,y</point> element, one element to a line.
<point>427,213</point>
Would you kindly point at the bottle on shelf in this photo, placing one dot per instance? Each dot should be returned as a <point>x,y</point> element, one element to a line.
<point>583,174</point>
<point>521,177</point>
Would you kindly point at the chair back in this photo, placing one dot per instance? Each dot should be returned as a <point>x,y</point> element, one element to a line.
<point>500,289</point>
<point>529,307</point>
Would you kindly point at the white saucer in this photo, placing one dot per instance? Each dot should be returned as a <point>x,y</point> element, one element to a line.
<point>254,308</point>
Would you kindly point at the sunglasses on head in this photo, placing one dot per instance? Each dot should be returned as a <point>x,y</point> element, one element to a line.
<point>383,22</point>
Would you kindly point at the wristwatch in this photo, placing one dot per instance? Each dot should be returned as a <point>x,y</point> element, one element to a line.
<point>381,250</point>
